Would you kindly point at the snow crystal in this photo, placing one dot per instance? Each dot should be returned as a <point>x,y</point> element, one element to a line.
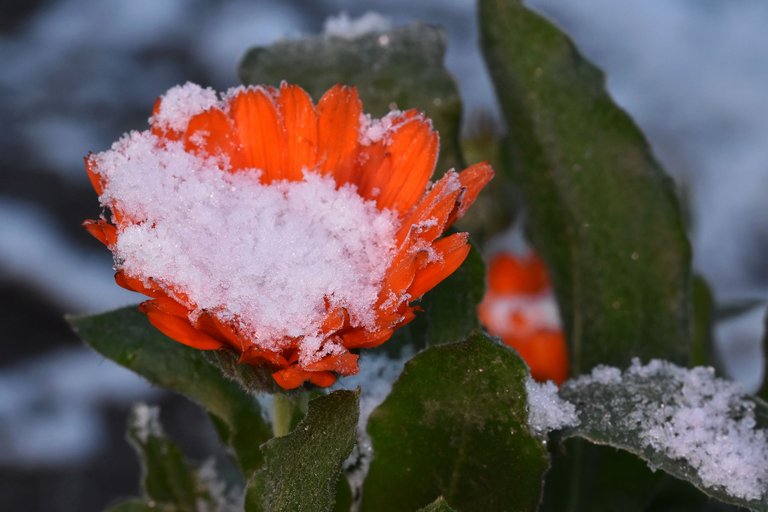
<point>345,27</point>
<point>546,410</point>
<point>373,130</point>
<point>692,415</point>
<point>268,257</point>
<point>182,102</point>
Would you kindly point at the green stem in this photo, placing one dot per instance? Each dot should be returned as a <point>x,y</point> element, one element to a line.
<point>282,413</point>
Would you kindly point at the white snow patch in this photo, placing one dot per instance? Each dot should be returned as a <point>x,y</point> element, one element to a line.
<point>182,102</point>
<point>265,256</point>
<point>373,130</point>
<point>546,410</point>
<point>345,27</point>
<point>145,422</point>
<point>701,419</point>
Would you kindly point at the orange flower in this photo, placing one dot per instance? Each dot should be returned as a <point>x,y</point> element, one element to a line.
<point>255,165</point>
<point>518,307</point>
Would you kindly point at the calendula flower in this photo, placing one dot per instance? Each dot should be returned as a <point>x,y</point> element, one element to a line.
<point>519,308</point>
<point>288,232</point>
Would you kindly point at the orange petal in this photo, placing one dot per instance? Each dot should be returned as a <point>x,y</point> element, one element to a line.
<point>293,377</point>
<point>256,121</point>
<point>398,278</point>
<point>411,153</point>
<point>177,328</point>
<point>449,184</point>
<point>517,275</point>
<point>546,354</point>
<point>343,364</point>
<point>361,338</point>
<point>452,251</point>
<point>90,168</point>
<point>472,179</point>
<point>137,285</point>
<point>335,320</point>
<point>211,133</point>
<point>102,231</point>
<point>338,131</point>
<point>300,121</point>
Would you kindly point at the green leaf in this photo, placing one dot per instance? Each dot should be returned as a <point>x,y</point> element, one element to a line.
<point>703,346</point>
<point>439,505</point>
<point>301,469</point>
<point>616,480</point>
<point>166,477</point>
<point>126,337</point>
<point>612,412</point>
<point>400,68</point>
<point>456,425</point>
<point>602,213</point>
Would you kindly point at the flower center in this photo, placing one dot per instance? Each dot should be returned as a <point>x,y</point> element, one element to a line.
<point>269,257</point>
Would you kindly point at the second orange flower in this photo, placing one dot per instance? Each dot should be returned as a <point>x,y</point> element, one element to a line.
<point>289,232</point>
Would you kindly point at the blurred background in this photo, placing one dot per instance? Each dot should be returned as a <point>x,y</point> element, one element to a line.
<point>77,74</point>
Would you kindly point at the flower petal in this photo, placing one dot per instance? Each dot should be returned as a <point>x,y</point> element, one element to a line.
<point>451,251</point>
<point>472,180</point>
<point>176,327</point>
<point>524,275</point>
<point>395,170</point>
<point>256,121</point>
<point>300,125</point>
<point>338,130</point>
<point>212,133</point>
<point>102,231</point>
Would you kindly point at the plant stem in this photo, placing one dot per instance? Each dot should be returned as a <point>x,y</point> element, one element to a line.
<point>282,412</point>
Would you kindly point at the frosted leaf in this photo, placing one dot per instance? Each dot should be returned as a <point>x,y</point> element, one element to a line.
<point>349,28</point>
<point>546,410</point>
<point>685,421</point>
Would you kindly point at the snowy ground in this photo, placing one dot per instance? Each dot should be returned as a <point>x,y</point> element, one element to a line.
<point>78,74</point>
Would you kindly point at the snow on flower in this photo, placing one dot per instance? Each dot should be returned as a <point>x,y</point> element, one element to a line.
<point>290,232</point>
<point>519,308</point>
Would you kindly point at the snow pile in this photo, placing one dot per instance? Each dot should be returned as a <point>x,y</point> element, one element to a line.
<point>686,414</point>
<point>269,257</point>
<point>350,28</point>
<point>182,102</point>
<point>546,410</point>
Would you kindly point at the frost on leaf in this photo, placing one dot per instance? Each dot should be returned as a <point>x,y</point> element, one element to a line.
<point>685,421</point>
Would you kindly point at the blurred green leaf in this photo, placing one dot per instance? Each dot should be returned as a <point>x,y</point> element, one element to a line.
<point>439,505</point>
<point>126,337</point>
<point>301,469</point>
<point>138,506</point>
<point>703,346</point>
<point>610,413</point>
<point>456,425</point>
<point>400,68</point>
<point>602,213</point>
<point>167,480</point>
